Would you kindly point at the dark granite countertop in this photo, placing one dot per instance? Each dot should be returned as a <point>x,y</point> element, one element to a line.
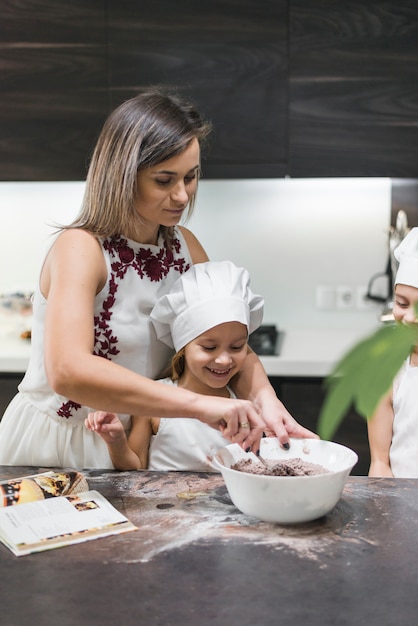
<point>195,560</point>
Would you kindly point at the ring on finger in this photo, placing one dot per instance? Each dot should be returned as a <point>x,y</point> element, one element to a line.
<point>244,425</point>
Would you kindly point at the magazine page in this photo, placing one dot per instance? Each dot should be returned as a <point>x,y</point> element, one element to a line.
<point>55,522</point>
<point>41,486</point>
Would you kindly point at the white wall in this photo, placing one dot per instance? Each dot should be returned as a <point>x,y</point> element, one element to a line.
<point>28,212</point>
<point>292,235</point>
<point>295,234</point>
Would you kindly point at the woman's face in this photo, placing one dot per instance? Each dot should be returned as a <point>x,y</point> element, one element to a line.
<point>403,306</point>
<point>213,358</point>
<point>164,190</point>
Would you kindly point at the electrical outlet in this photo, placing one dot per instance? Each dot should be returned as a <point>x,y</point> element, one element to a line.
<point>345,297</point>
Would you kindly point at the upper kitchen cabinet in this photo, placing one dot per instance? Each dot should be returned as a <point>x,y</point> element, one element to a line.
<point>228,56</point>
<point>293,87</point>
<point>353,101</point>
<point>53,87</point>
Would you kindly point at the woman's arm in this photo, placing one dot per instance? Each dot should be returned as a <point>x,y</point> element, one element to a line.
<point>252,383</point>
<point>379,428</point>
<point>73,273</point>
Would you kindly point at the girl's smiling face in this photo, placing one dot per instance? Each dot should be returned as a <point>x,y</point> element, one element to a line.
<point>165,189</point>
<point>213,358</point>
<point>403,307</point>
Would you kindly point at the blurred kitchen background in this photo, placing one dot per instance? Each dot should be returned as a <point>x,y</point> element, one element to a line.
<point>313,155</point>
<point>303,240</point>
<point>314,247</point>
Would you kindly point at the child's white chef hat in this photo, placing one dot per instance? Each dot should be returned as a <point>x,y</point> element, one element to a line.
<point>407,255</point>
<point>206,295</point>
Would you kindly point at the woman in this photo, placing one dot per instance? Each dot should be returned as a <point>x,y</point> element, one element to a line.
<point>93,347</point>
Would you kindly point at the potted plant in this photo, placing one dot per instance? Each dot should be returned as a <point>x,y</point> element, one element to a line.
<point>365,374</point>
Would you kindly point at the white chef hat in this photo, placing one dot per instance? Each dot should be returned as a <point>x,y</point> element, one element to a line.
<point>206,295</point>
<point>407,255</point>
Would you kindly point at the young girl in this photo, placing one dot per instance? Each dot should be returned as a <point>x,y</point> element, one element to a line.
<point>206,317</point>
<point>393,429</point>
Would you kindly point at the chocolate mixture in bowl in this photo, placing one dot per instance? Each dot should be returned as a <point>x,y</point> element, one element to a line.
<point>290,467</point>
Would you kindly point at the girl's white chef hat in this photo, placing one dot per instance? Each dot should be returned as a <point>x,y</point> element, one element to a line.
<point>206,295</point>
<point>407,255</point>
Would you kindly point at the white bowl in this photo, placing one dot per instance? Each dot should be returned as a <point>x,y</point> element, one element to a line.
<point>287,499</point>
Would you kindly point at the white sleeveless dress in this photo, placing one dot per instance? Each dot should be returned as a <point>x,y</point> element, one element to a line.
<point>184,444</point>
<point>42,428</point>
<point>404,447</point>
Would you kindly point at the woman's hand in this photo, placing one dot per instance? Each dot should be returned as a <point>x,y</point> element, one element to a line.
<point>107,425</point>
<point>243,422</point>
<point>277,420</point>
<point>238,420</point>
<point>252,382</point>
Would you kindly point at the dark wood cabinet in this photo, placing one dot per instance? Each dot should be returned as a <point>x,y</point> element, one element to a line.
<point>353,88</point>
<point>53,87</point>
<point>66,65</point>
<point>293,87</point>
<point>229,57</point>
<point>303,397</point>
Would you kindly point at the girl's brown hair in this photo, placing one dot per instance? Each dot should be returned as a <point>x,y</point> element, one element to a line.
<point>177,365</point>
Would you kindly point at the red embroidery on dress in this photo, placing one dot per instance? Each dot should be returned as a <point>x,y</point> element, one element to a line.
<point>66,409</point>
<point>146,263</point>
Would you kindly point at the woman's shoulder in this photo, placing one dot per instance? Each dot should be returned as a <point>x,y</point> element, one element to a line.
<point>74,253</point>
<point>77,242</point>
<point>75,238</point>
<point>78,245</point>
<point>197,252</point>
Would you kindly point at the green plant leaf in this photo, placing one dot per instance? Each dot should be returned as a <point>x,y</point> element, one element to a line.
<point>365,374</point>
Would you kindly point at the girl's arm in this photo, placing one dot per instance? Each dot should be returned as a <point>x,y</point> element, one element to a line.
<point>379,428</point>
<point>73,273</point>
<point>123,454</point>
<point>139,438</point>
<point>111,430</point>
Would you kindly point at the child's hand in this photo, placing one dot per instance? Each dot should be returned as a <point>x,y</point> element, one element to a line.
<point>107,425</point>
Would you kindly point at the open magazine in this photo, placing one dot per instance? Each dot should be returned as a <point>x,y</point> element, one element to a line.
<point>54,509</point>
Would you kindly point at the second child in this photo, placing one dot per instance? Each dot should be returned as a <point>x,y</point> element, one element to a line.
<point>393,429</point>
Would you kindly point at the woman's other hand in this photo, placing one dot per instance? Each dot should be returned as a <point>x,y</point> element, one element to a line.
<point>278,421</point>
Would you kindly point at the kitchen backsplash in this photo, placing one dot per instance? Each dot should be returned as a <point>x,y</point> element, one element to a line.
<point>293,235</point>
